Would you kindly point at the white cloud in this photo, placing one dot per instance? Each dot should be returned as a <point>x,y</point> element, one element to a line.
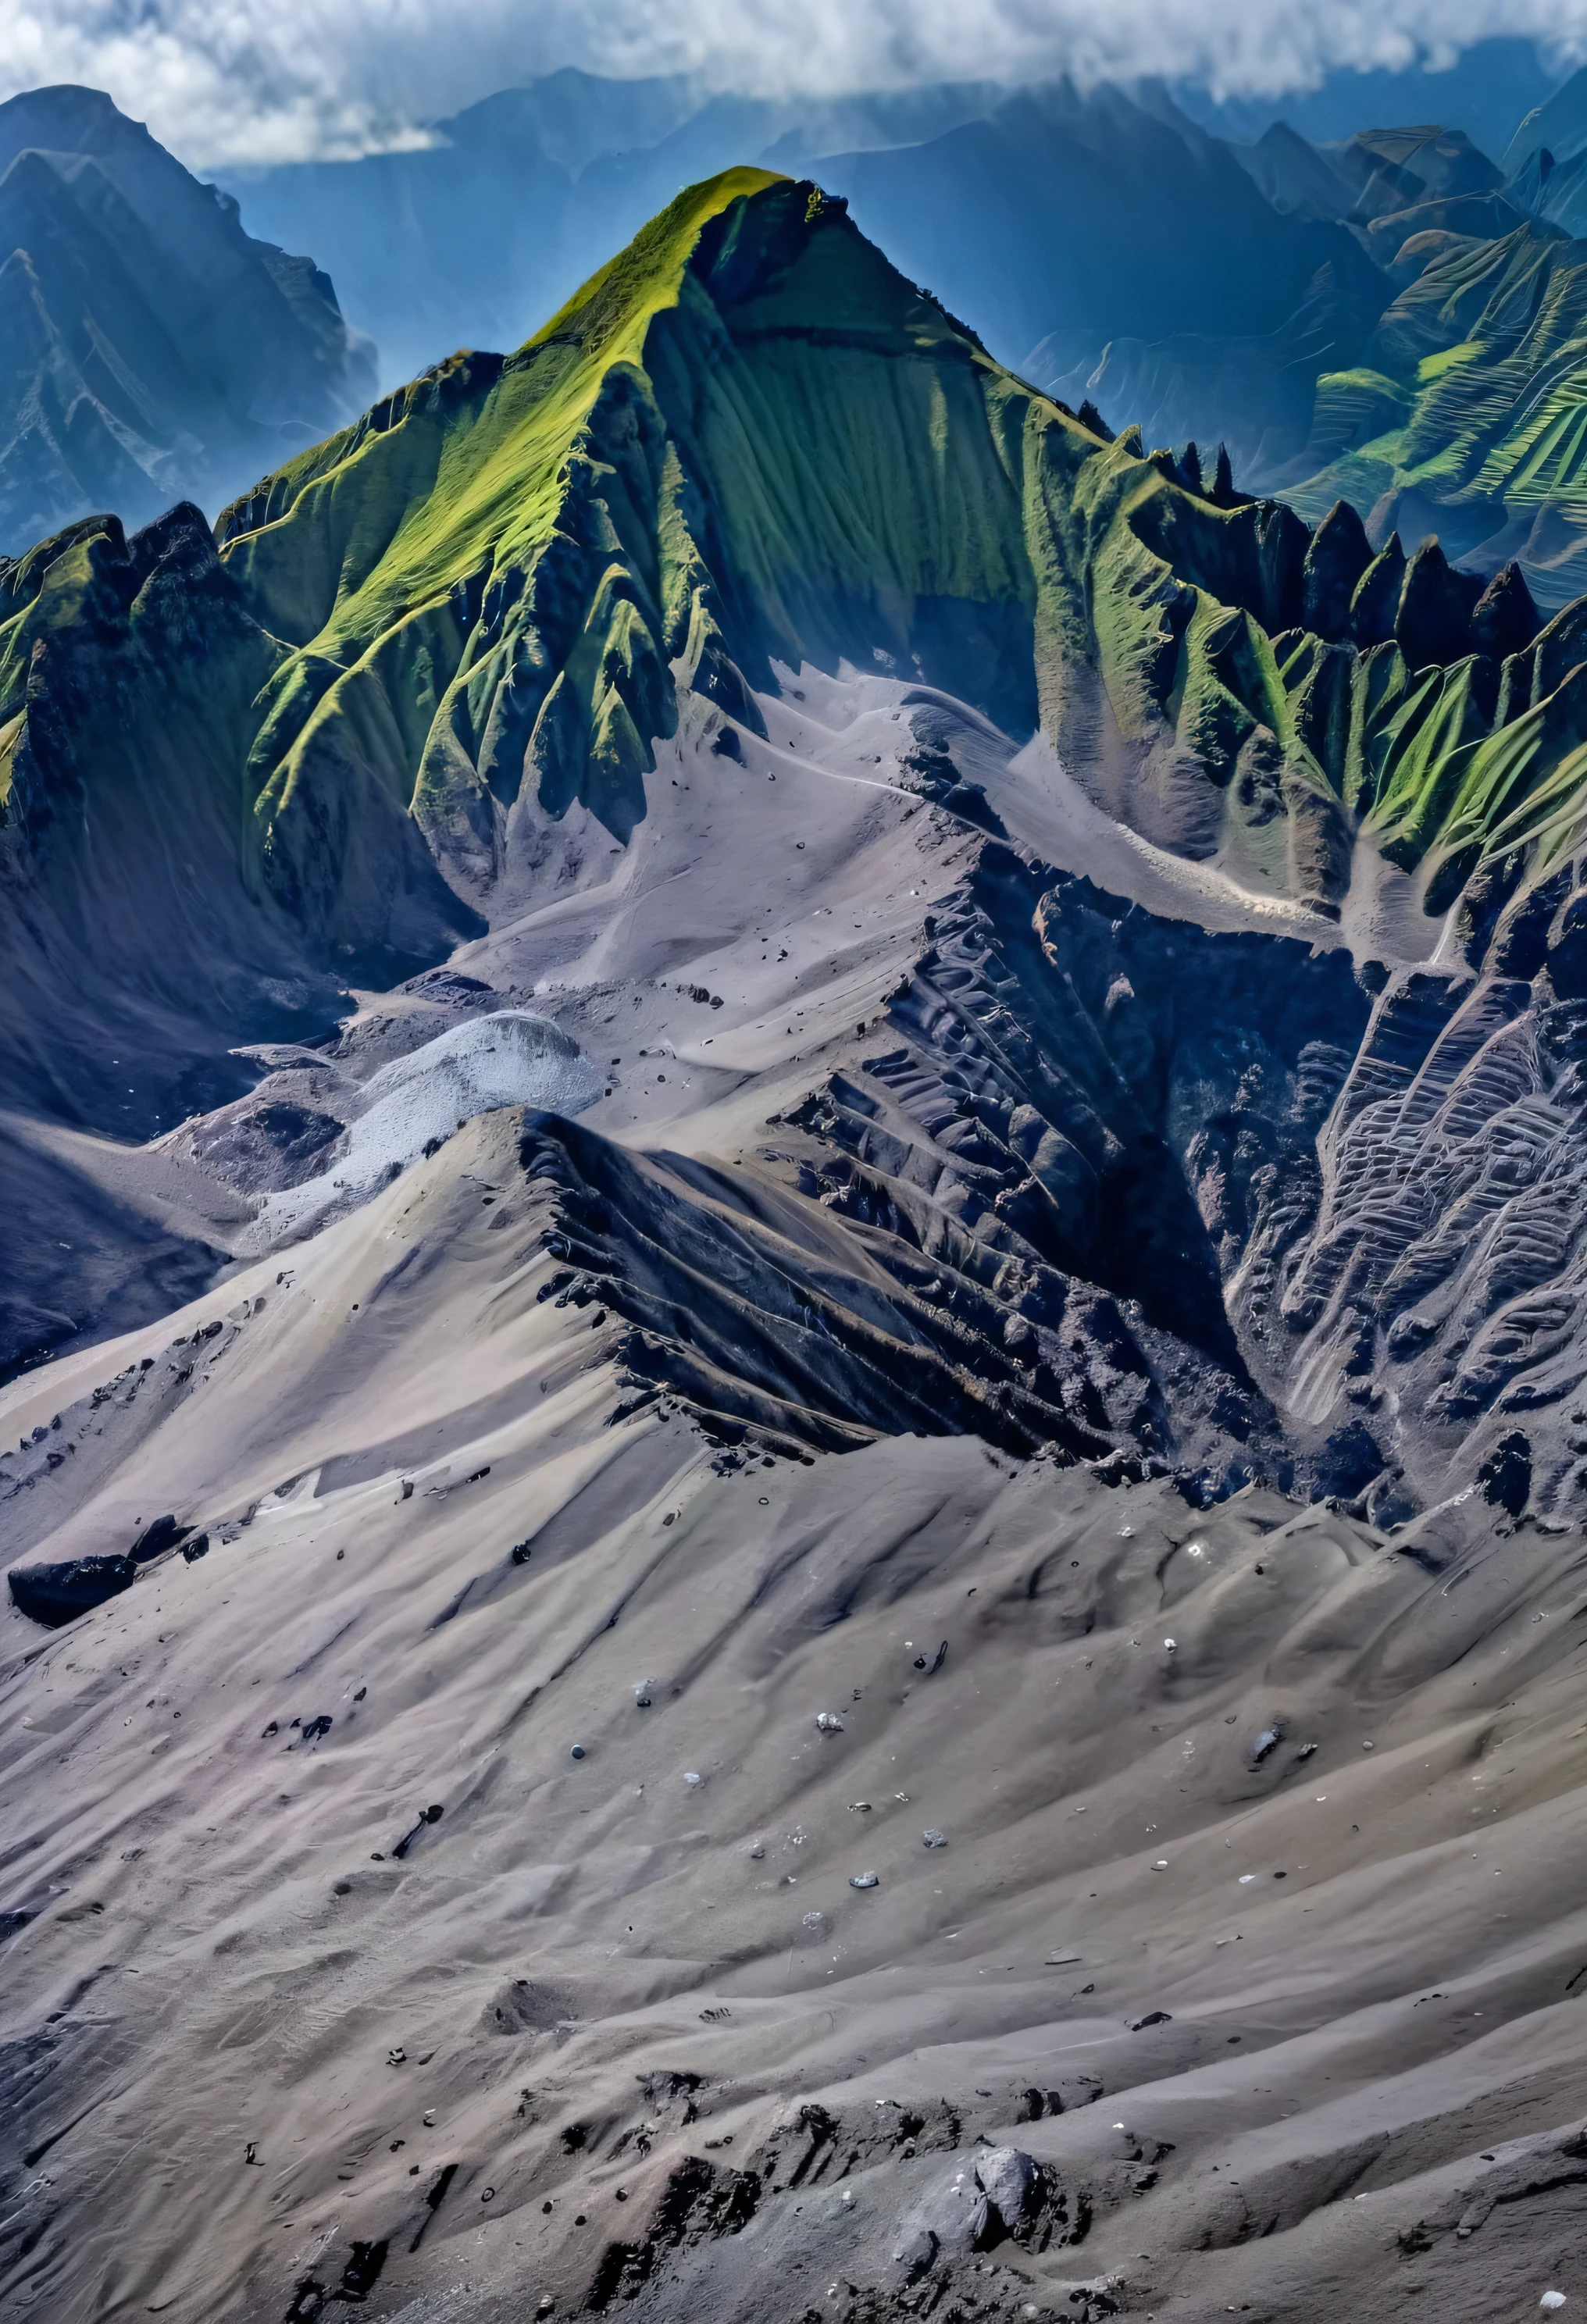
<point>260,80</point>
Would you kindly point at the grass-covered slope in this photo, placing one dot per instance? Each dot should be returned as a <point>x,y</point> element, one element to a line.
<point>750,441</point>
<point>1467,413</point>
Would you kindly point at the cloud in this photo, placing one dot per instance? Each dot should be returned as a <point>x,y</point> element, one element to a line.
<point>260,80</point>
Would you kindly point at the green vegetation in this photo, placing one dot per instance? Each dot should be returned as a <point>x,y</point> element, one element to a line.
<point>749,442</point>
<point>1476,423</point>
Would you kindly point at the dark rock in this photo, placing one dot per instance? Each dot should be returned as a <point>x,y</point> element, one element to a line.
<point>1505,620</point>
<point>361,2270</point>
<point>1009,2179</point>
<point>1434,620</point>
<point>268,1144</point>
<point>1375,601</point>
<point>1506,1476</point>
<point>165,1533</point>
<point>57,1594</point>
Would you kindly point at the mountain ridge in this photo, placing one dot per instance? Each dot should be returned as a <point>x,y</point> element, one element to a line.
<point>155,348</point>
<point>683,988</point>
<point>427,675</point>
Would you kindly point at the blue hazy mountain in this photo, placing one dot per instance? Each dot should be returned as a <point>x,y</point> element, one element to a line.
<point>149,348</point>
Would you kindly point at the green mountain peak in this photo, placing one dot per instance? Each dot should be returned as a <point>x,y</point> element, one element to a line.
<point>750,443</point>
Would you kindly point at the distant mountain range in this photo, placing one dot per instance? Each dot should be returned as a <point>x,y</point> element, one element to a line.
<point>149,349</point>
<point>1078,233</point>
<point>1387,316</point>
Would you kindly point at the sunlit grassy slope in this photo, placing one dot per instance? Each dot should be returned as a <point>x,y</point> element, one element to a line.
<point>1475,415</point>
<point>749,441</point>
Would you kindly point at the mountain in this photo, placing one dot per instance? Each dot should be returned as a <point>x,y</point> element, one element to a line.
<point>430,667</point>
<point>1558,124</point>
<point>1072,232</point>
<point>566,169</point>
<point>1134,262</point>
<point>773,1122</point>
<point>152,348</point>
<point>1460,418</point>
<point>1486,88</point>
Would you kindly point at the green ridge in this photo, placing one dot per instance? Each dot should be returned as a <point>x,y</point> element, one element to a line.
<point>748,440</point>
<point>1475,415</point>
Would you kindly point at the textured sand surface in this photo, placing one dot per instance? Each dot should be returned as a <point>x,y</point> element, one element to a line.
<point>1368,1939</point>
<point>618,2030</point>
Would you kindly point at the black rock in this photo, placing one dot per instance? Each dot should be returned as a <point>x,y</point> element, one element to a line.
<point>1376,599</point>
<point>57,1594</point>
<point>164,1533</point>
<point>1339,554</point>
<point>1433,621</point>
<point>1506,1476</point>
<point>1504,619</point>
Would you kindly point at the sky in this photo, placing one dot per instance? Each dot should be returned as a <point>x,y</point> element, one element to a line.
<point>250,82</point>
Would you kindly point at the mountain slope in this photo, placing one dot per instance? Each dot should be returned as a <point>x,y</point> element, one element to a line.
<point>152,348</point>
<point>856,1109</point>
<point>430,672</point>
<point>1460,418</point>
<point>1114,226</point>
<point>655,479</point>
<point>429,688</point>
<point>1059,224</point>
<point>420,1850</point>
